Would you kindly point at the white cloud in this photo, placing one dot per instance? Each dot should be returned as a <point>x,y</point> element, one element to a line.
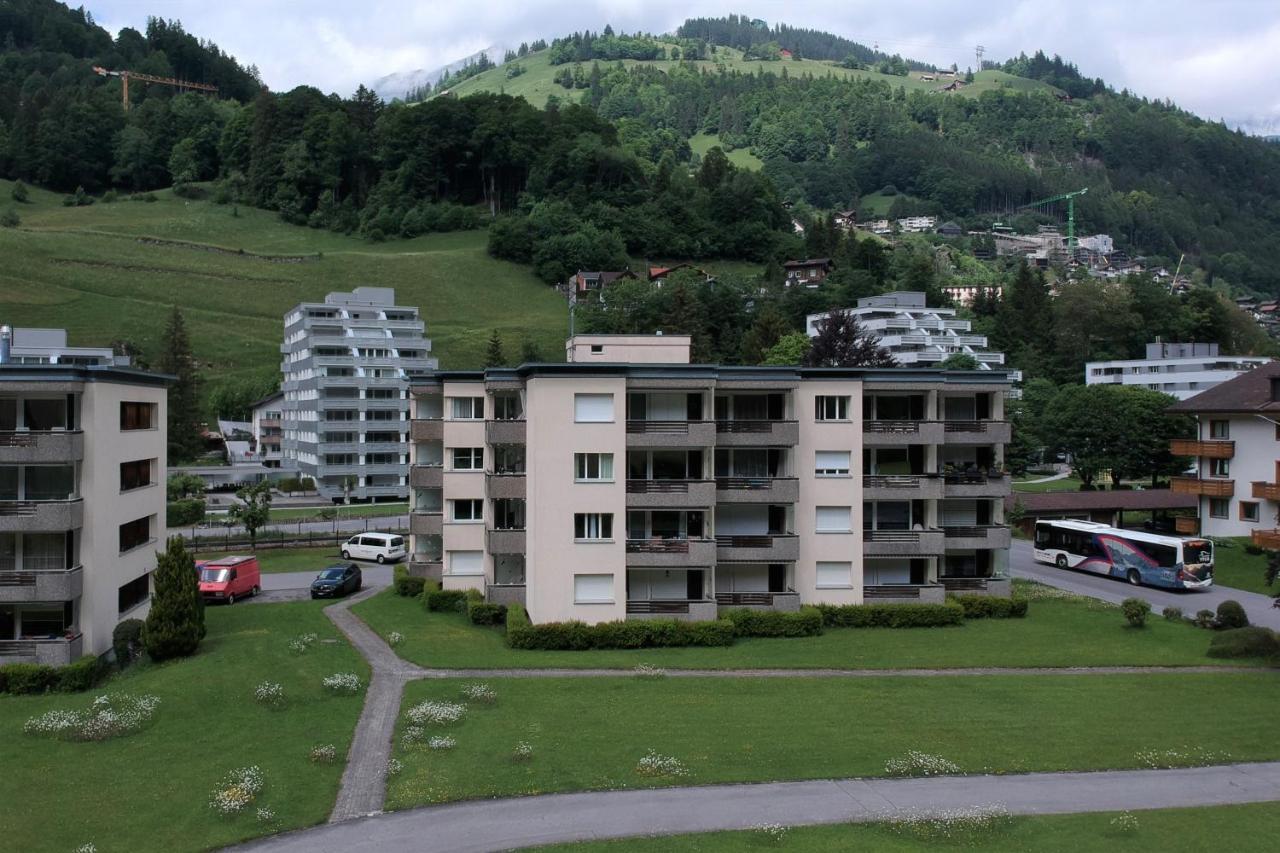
<point>1212,58</point>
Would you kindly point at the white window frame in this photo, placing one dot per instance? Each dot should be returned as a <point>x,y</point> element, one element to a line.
<point>583,594</point>
<point>843,567</point>
<point>475,456</point>
<point>456,405</point>
<point>478,570</point>
<point>590,408</point>
<point>838,519</point>
<point>472,504</point>
<point>831,466</point>
<point>582,467</point>
<point>823,402</point>
<point>589,523</point>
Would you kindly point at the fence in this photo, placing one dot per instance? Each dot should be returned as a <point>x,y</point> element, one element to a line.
<point>303,534</point>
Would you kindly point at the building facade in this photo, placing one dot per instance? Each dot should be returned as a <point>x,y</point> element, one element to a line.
<point>267,428</point>
<point>615,488</point>
<point>1237,452</point>
<point>1180,370</point>
<point>345,414</point>
<point>82,505</point>
<point>49,346</point>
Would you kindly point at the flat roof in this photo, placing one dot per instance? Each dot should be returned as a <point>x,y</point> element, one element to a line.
<point>82,373</point>
<point>1123,500</point>
<point>877,375</point>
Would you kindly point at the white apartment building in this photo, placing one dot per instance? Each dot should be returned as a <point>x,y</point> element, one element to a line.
<point>917,224</point>
<point>82,505</point>
<point>266,427</point>
<point>1181,370</point>
<point>629,484</point>
<point>1237,452</point>
<point>345,414</point>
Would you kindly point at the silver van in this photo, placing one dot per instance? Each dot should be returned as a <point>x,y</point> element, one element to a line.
<point>380,547</point>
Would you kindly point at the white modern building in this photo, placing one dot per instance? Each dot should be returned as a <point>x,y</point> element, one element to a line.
<point>345,413</point>
<point>49,346</point>
<point>1180,370</point>
<point>266,429</point>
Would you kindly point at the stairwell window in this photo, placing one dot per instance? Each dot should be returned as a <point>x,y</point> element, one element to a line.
<point>834,575</point>
<point>593,408</point>
<point>593,589</point>
<point>135,534</point>
<point>829,408</point>
<point>135,416</point>
<point>831,463</point>
<point>593,467</point>
<point>593,526</point>
<point>135,475</point>
<point>834,519</point>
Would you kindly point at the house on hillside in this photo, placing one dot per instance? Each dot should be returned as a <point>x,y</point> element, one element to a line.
<point>658,275</point>
<point>917,224</point>
<point>950,229</point>
<point>876,226</point>
<point>584,282</point>
<point>964,294</point>
<point>845,220</point>
<point>786,54</point>
<point>810,272</point>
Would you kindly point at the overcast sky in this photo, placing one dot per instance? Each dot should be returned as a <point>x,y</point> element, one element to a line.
<point>1218,59</point>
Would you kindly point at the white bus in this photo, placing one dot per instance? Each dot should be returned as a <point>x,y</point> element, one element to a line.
<point>1140,558</point>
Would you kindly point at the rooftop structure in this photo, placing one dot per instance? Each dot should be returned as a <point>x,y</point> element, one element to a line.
<point>49,346</point>
<point>1182,370</point>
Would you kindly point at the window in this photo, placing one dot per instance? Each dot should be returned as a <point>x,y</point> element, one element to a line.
<point>593,589</point>
<point>506,407</point>
<point>593,467</point>
<point>1220,429</point>
<point>467,408</point>
<point>1249,511</point>
<point>1219,507</point>
<point>381,394</point>
<point>834,575</point>
<point>832,463</point>
<point>466,562</point>
<point>831,408</point>
<point>593,525</point>
<point>468,509</point>
<point>593,408</point>
<point>382,459</point>
<point>834,519</point>
<point>45,415</point>
<point>382,415</point>
<point>468,458</point>
<point>135,475</point>
<point>135,533</point>
<point>1219,467</point>
<point>134,592</point>
<point>137,416</point>
<point>597,349</point>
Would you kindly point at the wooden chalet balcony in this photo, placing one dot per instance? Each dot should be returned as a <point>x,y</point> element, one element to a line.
<point>1186,526</point>
<point>1266,491</point>
<point>1207,488</point>
<point>1269,539</point>
<point>1202,449</point>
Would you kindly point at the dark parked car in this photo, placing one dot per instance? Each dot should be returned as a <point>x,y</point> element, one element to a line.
<point>337,580</point>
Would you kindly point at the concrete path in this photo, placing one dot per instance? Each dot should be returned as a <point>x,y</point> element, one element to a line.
<point>1061,475</point>
<point>1023,565</point>
<point>486,825</point>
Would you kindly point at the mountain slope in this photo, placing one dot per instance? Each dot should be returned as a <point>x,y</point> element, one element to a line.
<point>399,84</point>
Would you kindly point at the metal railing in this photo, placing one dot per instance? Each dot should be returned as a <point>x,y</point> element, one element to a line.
<point>645,487</point>
<point>762,540</point>
<point>658,546</point>
<point>748,483</point>
<point>751,426</point>
<point>642,427</point>
<point>655,605</point>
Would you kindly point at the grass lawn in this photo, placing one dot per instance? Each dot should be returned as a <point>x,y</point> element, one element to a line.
<point>1057,632</point>
<point>1235,568</point>
<point>588,734</point>
<point>150,791</point>
<point>1069,484</point>
<point>326,513</point>
<point>701,143</point>
<point>273,560</point>
<point>1247,828</point>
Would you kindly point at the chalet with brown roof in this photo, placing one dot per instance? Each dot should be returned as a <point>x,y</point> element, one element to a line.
<point>583,281</point>
<point>810,272</point>
<point>658,275</point>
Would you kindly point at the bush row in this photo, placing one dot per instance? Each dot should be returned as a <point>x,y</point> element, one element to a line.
<point>23,678</point>
<point>891,615</point>
<point>485,613</point>
<point>991,607</point>
<point>184,512</point>
<point>449,600</point>
<point>638,634</point>
<point>807,622</point>
<point>1249,642</point>
<point>406,584</point>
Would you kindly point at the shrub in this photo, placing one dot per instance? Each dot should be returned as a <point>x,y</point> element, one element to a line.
<point>807,622</point>
<point>18,192</point>
<point>640,634</point>
<point>1252,550</point>
<point>126,641</point>
<point>82,675</point>
<point>447,600</point>
<point>174,625</point>
<point>110,197</point>
<point>1172,614</point>
<point>26,678</point>
<point>991,607</point>
<point>1252,641</point>
<point>483,613</point>
<point>1204,619</point>
<point>1231,615</point>
<point>1135,610</point>
<point>891,615</point>
<point>409,586</point>
<point>10,219</point>
<point>184,512</point>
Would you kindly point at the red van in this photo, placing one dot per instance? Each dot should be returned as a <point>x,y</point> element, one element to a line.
<point>229,578</point>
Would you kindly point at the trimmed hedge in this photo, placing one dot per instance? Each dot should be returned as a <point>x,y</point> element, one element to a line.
<point>1250,642</point>
<point>636,634</point>
<point>807,622</point>
<point>447,600</point>
<point>409,586</point>
<point>891,615</point>
<point>991,607</point>
<point>126,641</point>
<point>484,613</point>
<point>1231,615</point>
<point>84,674</point>
<point>29,678</point>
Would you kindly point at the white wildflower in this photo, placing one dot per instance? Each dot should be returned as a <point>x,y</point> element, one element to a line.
<point>323,754</point>
<point>343,682</point>
<point>952,824</point>
<point>440,744</point>
<point>644,670</point>
<point>1187,756</point>
<point>435,713</point>
<point>108,716</point>
<point>237,791</point>
<point>266,815</point>
<point>1125,822</point>
<point>301,643</point>
<point>481,693</point>
<point>654,764</point>
<point>920,764</point>
<point>395,638</point>
<point>522,752</point>
<point>775,832</point>
<point>269,693</point>
<point>394,766</point>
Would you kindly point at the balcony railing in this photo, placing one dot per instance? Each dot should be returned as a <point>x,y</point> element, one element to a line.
<point>906,593</point>
<point>894,481</point>
<point>642,427</point>
<point>1269,539</point>
<point>892,427</point>
<point>1186,526</point>
<point>1202,449</point>
<point>1266,491</point>
<point>651,487</point>
<point>749,426</point>
<point>747,484</point>
<point>752,599</point>
<point>1198,486</point>
<point>657,546</point>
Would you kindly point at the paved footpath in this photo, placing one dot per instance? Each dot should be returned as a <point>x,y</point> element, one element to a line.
<point>486,825</point>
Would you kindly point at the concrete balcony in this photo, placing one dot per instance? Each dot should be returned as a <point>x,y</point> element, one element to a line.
<point>905,594</point>
<point>671,433</point>
<point>58,652</point>
<point>422,429</point>
<point>681,610</point>
<point>899,433</point>
<point>421,567</point>
<point>763,548</point>
<point>1266,491</point>
<point>670,494</point>
<point>784,602</point>
<point>505,432</point>
<point>42,585</point>
<point>903,543</point>
<point>41,516</point>
<point>976,536</point>
<point>768,490</point>
<point>508,594</point>
<point>1207,488</point>
<point>505,541</point>
<point>35,447</point>
<point>757,433</point>
<point>886,487</point>
<point>426,476</point>
<point>426,523</point>
<point>976,432</point>
<point>1202,449</point>
<point>670,553</point>
<point>505,485</point>
<point>998,587</point>
<point>979,484</point>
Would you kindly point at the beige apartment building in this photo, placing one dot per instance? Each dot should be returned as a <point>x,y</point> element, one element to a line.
<point>82,503</point>
<point>629,483</point>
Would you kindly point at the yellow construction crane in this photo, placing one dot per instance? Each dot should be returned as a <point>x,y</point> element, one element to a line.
<point>126,76</point>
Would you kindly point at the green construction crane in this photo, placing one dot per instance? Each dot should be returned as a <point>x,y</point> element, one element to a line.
<point>1070,199</point>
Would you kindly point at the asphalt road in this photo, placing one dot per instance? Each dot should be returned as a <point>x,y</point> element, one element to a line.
<point>317,528</point>
<point>296,586</point>
<point>1023,565</point>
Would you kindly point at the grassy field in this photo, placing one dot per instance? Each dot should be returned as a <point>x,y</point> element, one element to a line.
<point>1235,568</point>
<point>1057,632</point>
<point>85,268</point>
<point>150,791</point>
<point>1245,829</point>
<point>275,560</point>
<point>1068,484</point>
<point>589,734</point>
<point>701,143</point>
<point>877,204</point>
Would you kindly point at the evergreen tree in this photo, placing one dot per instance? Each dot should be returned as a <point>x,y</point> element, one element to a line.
<point>184,410</point>
<point>174,624</point>
<point>843,342</point>
<point>769,328</point>
<point>529,352</point>
<point>493,356</point>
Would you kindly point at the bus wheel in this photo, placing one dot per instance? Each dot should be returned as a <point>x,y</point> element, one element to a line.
<point>1061,561</point>
<point>1134,577</point>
